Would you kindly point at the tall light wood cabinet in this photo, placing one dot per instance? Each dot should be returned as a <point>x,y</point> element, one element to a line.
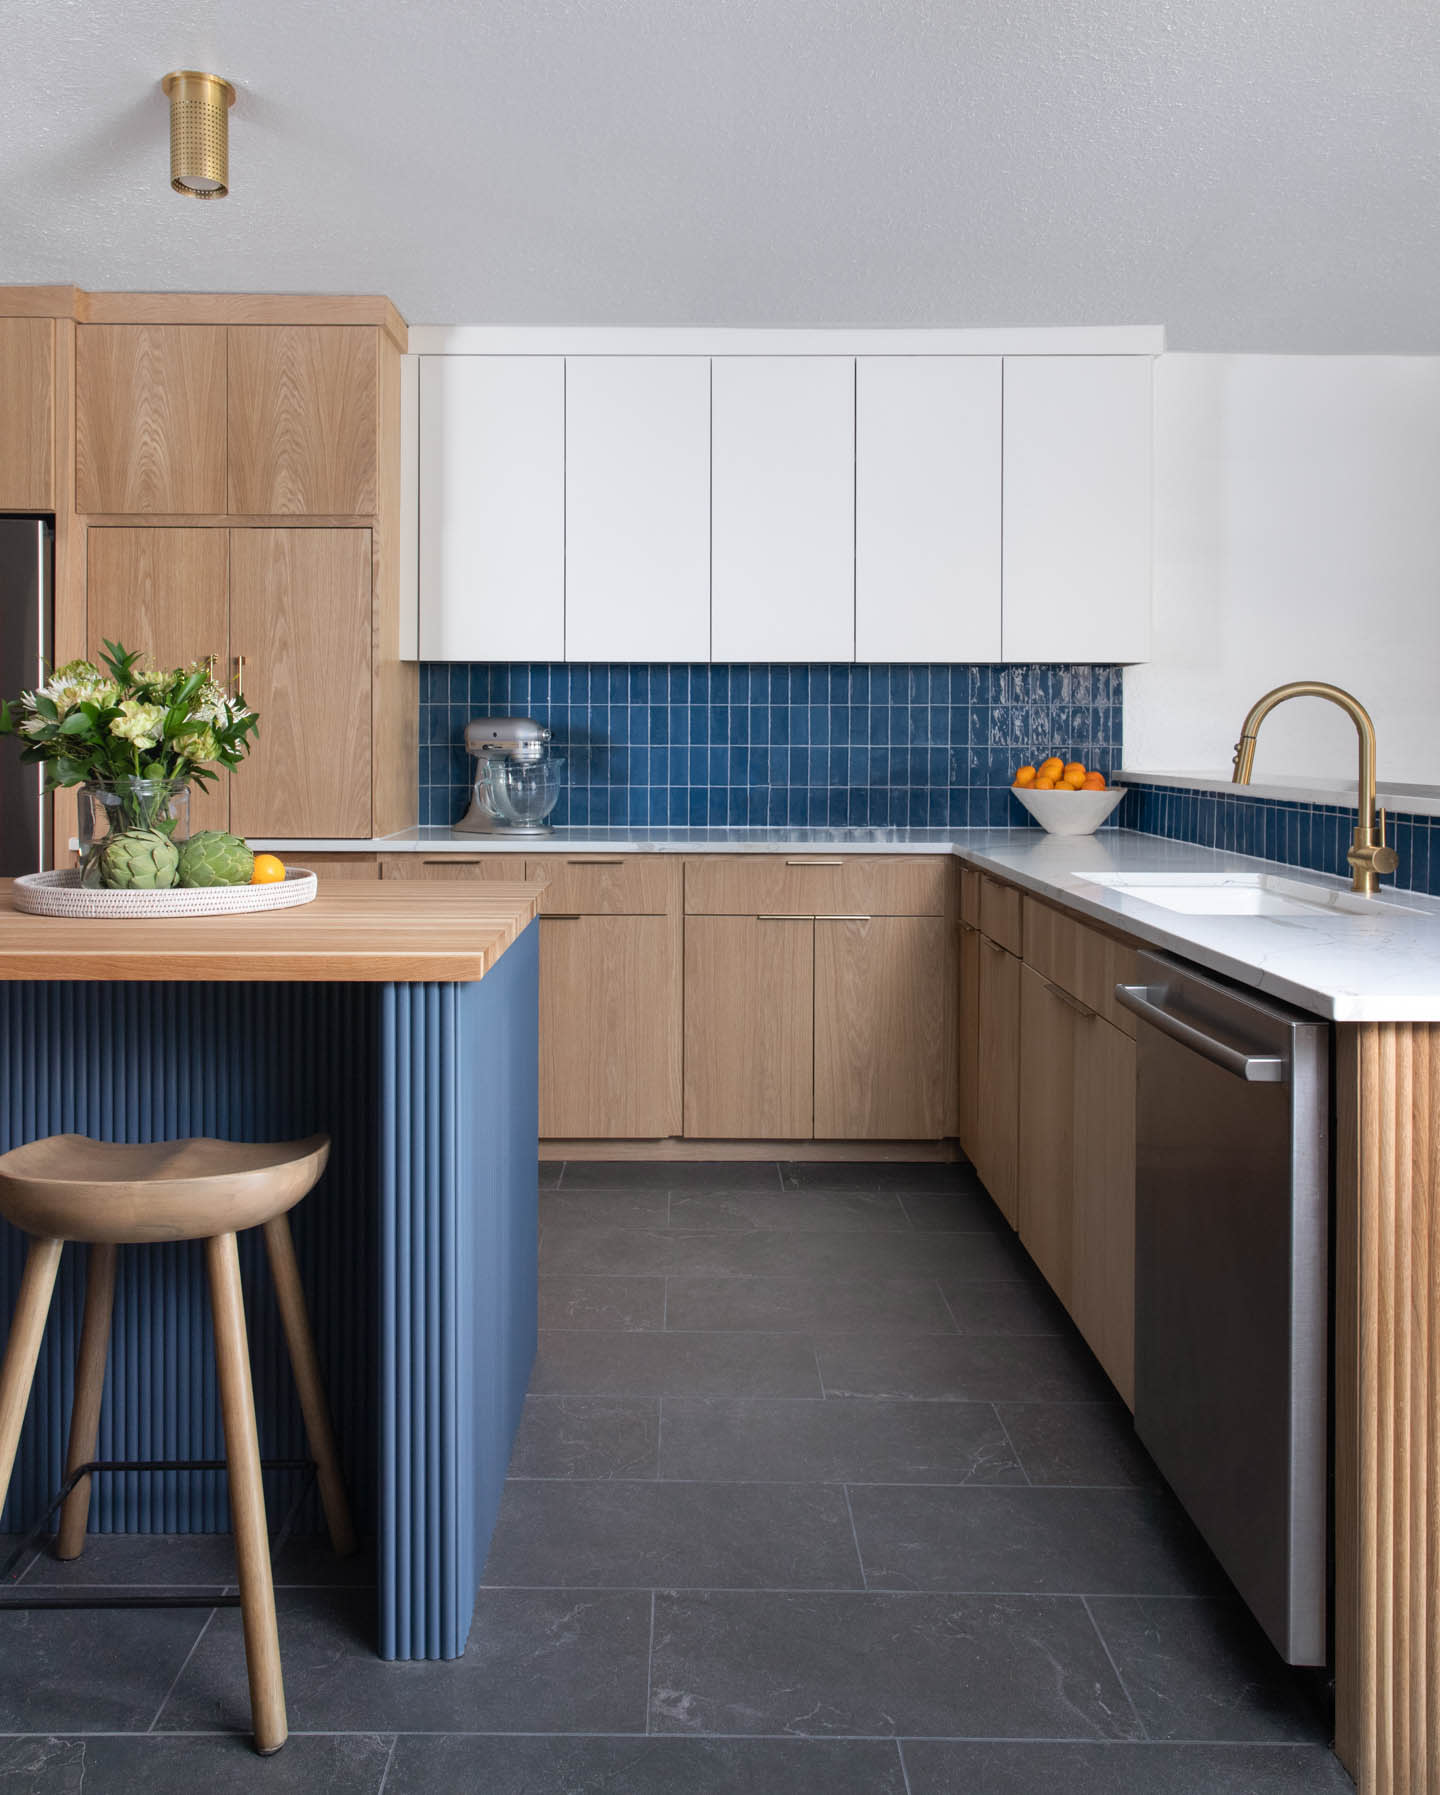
<point>150,404</point>
<point>27,442</point>
<point>303,421</point>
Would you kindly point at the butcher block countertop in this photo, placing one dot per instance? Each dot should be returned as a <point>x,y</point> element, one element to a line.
<point>353,933</point>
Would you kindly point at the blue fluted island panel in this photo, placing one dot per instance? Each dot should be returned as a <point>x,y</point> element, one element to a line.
<point>417,1249</point>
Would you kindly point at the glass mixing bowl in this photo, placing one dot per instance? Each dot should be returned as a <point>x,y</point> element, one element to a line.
<point>522,794</point>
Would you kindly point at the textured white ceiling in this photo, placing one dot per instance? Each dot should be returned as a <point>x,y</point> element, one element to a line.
<point>1254,174</point>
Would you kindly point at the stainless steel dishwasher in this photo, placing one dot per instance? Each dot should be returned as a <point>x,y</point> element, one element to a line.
<point>1232,1283</point>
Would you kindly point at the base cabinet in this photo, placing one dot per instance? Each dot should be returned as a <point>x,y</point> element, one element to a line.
<point>749,1027</point>
<point>997,1085</point>
<point>968,1046</point>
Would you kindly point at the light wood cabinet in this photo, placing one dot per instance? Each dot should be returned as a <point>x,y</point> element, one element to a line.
<point>608,884</point>
<point>968,1044</point>
<point>150,406</point>
<point>303,420</point>
<point>749,1028</point>
<point>927,508</point>
<point>609,1027</point>
<point>1046,1141</point>
<point>782,516</point>
<point>27,441</point>
<point>998,1083</point>
<point>300,622</point>
<point>165,592</point>
<point>459,868</point>
<point>817,883</point>
<point>884,1028</point>
<point>338,866</point>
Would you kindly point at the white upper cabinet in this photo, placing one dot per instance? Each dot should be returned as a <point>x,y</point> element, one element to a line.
<point>637,508</point>
<point>1077,456</point>
<point>927,508</point>
<point>492,508</point>
<point>782,513</point>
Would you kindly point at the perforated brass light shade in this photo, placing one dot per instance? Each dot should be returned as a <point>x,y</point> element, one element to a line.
<point>199,133</point>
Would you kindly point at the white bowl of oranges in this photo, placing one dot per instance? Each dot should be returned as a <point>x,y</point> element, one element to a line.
<point>1066,797</point>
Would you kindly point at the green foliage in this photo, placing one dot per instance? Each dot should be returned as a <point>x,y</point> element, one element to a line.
<point>125,719</point>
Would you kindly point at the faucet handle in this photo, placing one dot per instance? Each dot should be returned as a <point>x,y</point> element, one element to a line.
<point>1384,859</point>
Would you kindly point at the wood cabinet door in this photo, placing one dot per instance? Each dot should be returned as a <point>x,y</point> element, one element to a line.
<point>27,439</point>
<point>782,540</point>
<point>1077,462</point>
<point>927,508</point>
<point>304,422</point>
<point>492,508</point>
<point>300,623</point>
<point>1045,1150</point>
<point>609,1027</point>
<point>163,591</point>
<point>884,1028</point>
<point>999,1083</point>
<point>637,508</point>
<point>150,418</point>
<point>749,1028</point>
<point>460,868</point>
<point>968,1049</point>
<point>1103,1290</point>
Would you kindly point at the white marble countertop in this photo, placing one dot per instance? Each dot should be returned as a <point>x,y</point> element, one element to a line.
<point>1382,964</point>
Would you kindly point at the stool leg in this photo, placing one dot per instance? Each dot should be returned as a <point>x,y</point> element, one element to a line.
<point>89,1388</point>
<point>295,1319</point>
<point>247,1495</point>
<point>27,1326</point>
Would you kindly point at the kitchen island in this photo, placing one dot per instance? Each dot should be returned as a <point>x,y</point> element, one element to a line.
<point>401,1021</point>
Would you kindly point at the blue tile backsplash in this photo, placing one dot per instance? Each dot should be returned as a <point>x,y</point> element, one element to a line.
<point>1315,836</point>
<point>750,746</point>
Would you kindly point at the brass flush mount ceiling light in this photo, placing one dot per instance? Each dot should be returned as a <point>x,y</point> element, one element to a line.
<point>199,133</point>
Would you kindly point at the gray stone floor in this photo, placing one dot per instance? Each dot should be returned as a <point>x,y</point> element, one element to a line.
<point>817,1493</point>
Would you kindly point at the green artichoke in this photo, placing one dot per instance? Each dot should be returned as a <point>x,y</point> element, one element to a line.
<point>214,858</point>
<point>140,860</point>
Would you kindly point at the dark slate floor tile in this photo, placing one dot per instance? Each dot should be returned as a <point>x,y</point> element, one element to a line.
<point>848,1211</point>
<point>1026,1306</point>
<point>577,1364</point>
<point>623,1208</point>
<point>878,1666</point>
<point>537,1661</point>
<point>499,1766</point>
<point>939,1767</point>
<point>587,1436</point>
<point>1204,1670</point>
<point>68,1670</point>
<point>684,1535</point>
<point>222,1764</point>
<point>968,1367</point>
<point>1078,1442</point>
<point>795,1305</point>
<point>608,1304</point>
<point>1041,1542</point>
<point>836,1442</point>
<point>878,1174</point>
<point>954,1211</point>
<point>551,1171</point>
<point>671,1174</point>
<point>599,1249</point>
<point>197,1561</point>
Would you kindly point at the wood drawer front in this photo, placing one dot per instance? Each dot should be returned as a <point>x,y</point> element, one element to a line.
<point>1000,913</point>
<point>337,866</point>
<point>970,896</point>
<point>606,884</point>
<point>817,884</point>
<point>504,867</point>
<point>1084,961</point>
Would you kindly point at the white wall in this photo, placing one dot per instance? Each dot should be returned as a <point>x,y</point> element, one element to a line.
<point>1297,536</point>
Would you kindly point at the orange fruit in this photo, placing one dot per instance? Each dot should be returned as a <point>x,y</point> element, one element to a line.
<point>1043,784</point>
<point>1094,782</point>
<point>269,869</point>
<point>1052,768</point>
<point>1065,785</point>
<point>1025,776</point>
<point>1074,773</point>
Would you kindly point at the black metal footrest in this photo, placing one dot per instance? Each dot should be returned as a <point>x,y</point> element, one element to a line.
<point>190,1598</point>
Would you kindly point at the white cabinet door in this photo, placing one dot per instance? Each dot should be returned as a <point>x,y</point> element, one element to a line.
<point>637,508</point>
<point>1077,508</point>
<point>927,508</point>
<point>492,508</point>
<point>782,514</point>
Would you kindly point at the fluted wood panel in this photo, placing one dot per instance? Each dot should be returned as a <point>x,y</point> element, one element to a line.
<point>1387,1420</point>
<point>304,420</point>
<point>27,442</point>
<point>150,418</point>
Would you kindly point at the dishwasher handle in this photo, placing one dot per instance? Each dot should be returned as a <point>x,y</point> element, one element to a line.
<point>1254,1068</point>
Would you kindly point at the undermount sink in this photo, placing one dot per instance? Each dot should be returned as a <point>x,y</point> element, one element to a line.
<point>1234,894</point>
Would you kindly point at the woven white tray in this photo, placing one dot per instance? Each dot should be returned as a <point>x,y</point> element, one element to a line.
<point>62,894</point>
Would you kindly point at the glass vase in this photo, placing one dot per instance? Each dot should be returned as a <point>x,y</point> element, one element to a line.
<point>127,807</point>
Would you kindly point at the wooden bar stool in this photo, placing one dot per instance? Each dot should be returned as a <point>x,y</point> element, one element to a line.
<point>71,1188</point>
